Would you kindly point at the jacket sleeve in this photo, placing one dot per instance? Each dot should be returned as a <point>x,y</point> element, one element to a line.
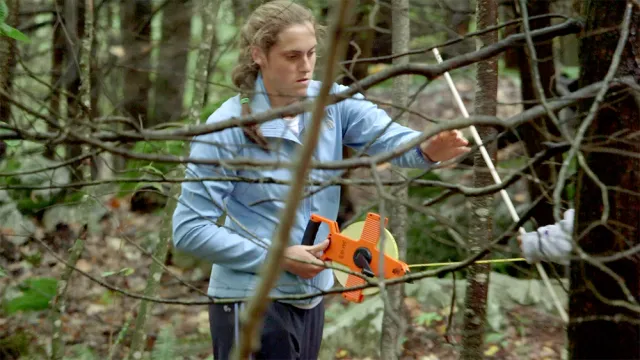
<point>551,242</point>
<point>363,121</point>
<point>200,204</point>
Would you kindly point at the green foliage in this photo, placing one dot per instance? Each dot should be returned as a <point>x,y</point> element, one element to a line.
<point>426,318</point>
<point>15,346</point>
<point>137,168</point>
<point>7,30</point>
<point>154,169</point>
<point>428,240</point>
<point>36,295</point>
<point>165,346</point>
<point>573,72</point>
<point>82,352</point>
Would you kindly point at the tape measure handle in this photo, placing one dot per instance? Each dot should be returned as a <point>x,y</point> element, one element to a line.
<point>310,232</point>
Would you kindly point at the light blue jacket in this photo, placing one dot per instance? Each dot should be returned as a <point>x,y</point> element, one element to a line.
<point>238,249</point>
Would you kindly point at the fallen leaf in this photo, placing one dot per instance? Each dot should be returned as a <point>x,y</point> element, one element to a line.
<point>132,254</point>
<point>342,353</point>
<point>441,329</point>
<point>84,265</point>
<point>377,68</point>
<point>114,203</point>
<point>547,351</point>
<point>430,357</point>
<point>114,242</point>
<point>492,350</point>
<point>93,309</point>
<point>520,197</point>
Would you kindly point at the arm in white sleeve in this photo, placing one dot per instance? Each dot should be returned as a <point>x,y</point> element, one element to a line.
<point>551,242</point>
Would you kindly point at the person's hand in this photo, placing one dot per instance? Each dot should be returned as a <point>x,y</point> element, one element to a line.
<point>445,146</point>
<point>304,260</point>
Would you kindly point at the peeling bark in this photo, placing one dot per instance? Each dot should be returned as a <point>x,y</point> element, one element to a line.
<point>597,326</point>
<point>480,232</point>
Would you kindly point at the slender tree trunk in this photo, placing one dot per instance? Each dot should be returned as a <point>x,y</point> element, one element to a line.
<point>481,220</point>
<point>242,9</point>
<point>597,327</point>
<point>8,59</point>
<point>209,11</point>
<point>59,302</point>
<point>136,40</point>
<point>95,93</point>
<point>394,321</point>
<point>172,67</point>
<point>75,28</point>
<point>458,17</point>
<point>57,63</point>
<point>139,336</point>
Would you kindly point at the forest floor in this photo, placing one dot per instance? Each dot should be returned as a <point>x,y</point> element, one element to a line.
<point>94,316</point>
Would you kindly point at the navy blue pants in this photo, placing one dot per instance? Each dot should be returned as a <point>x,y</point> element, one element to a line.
<point>288,332</point>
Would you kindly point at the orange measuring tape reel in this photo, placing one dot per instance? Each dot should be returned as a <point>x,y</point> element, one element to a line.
<point>358,255</point>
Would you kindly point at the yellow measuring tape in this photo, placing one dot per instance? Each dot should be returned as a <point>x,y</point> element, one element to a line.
<point>391,249</point>
<point>475,262</point>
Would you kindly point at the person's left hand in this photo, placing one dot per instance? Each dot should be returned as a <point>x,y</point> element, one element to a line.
<point>445,146</point>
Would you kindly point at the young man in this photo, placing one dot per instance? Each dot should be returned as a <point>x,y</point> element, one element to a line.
<point>275,68</point>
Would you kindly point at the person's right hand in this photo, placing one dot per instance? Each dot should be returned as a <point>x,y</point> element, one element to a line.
<point>303,260</point>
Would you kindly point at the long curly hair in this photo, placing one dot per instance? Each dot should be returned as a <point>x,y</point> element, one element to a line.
<point>262,29</point>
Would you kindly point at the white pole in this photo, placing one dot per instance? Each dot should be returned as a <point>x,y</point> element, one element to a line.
<point>503,192</point>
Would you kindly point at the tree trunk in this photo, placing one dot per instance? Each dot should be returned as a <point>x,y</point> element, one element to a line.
<point>136,39</point>
<point>598,328</point>
<point>242,9</point>
<point>209,10</point>
<point>172,67</point>
<point>394,321</point>
<point>74,21</point>
<point>8,59</point>
<point>458,18</point>
<point>480,232</point>
<point>57,63</point>
<point>95,86</point>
